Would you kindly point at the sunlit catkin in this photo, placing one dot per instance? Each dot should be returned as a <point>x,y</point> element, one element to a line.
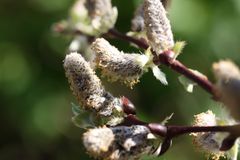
<point>118,143</point>
<point>117,65</point>
<point>227,75</point>
<point>211,142</point>
<point>158,27</point>
<point>208,142</point>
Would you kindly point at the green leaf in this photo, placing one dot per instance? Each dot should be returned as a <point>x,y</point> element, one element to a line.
<point>81,118</point>
<point>159,75</point>
<point>187,84</point>
<point>233,152</point>
<point>76,109</point>
<point>178,47</point>
<point>165,121</point>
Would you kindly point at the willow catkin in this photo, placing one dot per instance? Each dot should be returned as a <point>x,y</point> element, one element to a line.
<point>117,65</point>
<point>158,27</point>
<point>118,143</point>
<point>211,142</point>
<point>90,93</point>
<point>208,142</point>
<point>227,75</point>
<point>137,23</point>
<point>92,17</point>
<point>86,86</point>
<point>102,13</point>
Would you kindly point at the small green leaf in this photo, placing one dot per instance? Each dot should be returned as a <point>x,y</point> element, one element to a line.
<point>83,120</point>
<point>187,84</point>
<point>233,152</point>
<point>165,121</point>
<point>159,75</point>
<point>178,47</point>
<point>76,109</point>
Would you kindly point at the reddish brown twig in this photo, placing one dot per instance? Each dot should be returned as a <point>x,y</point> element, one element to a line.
<point>174,131</point>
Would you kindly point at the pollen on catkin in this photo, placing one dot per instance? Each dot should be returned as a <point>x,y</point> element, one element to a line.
<point>118,143</point>
<point>208,142</point>
<point>116,65</point>
<point>158,26</point>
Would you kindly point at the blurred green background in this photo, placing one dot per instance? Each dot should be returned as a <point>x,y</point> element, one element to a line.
<point>35,115</point>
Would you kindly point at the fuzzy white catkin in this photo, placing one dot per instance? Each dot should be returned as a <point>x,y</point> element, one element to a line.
<point>102,13</point>
<point>227,75</point>
<point>118,143</point>
<point>88,90</point>
<point>83,81</point>
<point>209,142</point>
<point>99,8</point>
<point>158,26</point>
<point>116,65</point>
<point>137,23</point>
<point>93,17</point>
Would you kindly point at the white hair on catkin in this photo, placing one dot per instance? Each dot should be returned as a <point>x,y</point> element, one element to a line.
<point>158,26</point>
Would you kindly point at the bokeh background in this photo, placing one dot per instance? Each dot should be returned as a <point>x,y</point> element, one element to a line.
<point>35,110</point>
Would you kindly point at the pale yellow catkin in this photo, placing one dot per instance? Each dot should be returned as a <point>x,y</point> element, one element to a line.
<point>208,142</point>
<point>116,65</point>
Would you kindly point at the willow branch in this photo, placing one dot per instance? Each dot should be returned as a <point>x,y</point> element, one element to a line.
<point>162,58</point>
<point>180,68</point>
<point>166,60</point>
